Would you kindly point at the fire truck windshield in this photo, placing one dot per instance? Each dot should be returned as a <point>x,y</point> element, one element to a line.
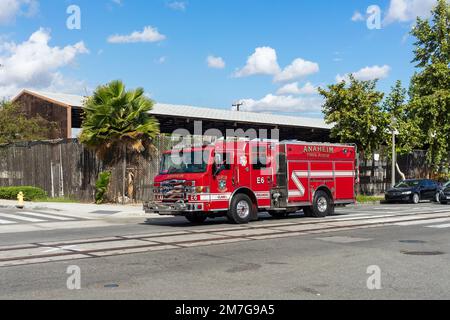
<point>186,162</point>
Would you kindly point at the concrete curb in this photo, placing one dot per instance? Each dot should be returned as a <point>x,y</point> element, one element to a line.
<point>368,203</point>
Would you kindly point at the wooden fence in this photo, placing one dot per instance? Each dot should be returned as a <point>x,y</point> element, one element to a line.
<point>65,168</point>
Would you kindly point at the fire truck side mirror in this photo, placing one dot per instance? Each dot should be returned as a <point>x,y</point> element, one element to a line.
<point>218,169</point>
<point>219,165</point>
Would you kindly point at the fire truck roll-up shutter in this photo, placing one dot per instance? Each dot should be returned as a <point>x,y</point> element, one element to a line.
<point>280,194</point>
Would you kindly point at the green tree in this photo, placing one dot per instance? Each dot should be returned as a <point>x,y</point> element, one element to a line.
<point>117,119</point>
<point>397,112</point>
<point>354,108</point>
<point>15,126</point>
<point>430,86</point>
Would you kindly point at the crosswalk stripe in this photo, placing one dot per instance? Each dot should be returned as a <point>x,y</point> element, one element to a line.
<point>440,226</point>
<point>350,218</point>
<point>47,216</point>
<point>19,217</point>
<point>416,223</point>
<point>6,222</point>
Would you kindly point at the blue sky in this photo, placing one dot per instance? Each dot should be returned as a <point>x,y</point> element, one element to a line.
<point>299,45</point>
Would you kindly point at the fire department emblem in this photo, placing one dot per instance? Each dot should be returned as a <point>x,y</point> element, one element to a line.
<point>222,185</point>
<point>243,161</point>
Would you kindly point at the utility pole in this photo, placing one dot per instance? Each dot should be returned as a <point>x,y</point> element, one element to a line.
<point>394,153</point>
<point>238,106</point>
<point>394,160</point>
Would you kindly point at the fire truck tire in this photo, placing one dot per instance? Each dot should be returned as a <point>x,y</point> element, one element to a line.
<point>196,218</point>
<point>242,209</point>
<point>322,205</point>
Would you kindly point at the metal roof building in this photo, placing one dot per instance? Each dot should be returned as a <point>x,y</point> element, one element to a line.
<point>67,110</point>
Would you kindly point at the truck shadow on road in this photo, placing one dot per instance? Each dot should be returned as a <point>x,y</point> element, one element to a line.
<point>181,222</point>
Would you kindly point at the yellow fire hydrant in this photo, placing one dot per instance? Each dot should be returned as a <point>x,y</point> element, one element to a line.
<point>21,203</point>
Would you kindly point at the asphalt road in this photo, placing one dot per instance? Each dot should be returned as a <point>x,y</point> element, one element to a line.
<point>295,258</point>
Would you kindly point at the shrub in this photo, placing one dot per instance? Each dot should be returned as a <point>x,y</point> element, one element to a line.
<point>30,193</point>
<point>101,187</point>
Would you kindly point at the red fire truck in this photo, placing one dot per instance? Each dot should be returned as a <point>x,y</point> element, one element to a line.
<point>240,178</point>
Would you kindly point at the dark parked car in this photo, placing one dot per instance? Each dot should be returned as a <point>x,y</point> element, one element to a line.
<point>414,191</point>
<point>444,196</point>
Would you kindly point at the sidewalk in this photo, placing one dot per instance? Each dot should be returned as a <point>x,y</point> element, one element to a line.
<point>79,208</point>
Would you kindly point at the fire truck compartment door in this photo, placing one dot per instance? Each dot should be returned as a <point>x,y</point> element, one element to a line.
<point>298,181</point>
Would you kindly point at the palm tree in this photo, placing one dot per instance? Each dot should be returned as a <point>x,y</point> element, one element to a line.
<point>116,120</point>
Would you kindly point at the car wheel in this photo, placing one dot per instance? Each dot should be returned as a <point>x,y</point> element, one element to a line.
<point>322,205</point>
<point>241,210</point>
<point>196,217</point>
<point>415,198</point>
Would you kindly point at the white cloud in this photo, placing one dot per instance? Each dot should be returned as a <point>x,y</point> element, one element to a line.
<point>357,16</point>
<point>293,88</point>
<point>215,62</point>
<point>262,61</point>
<point>367,73</point>
<point>408,10</point>
<point>161,60</point>
<point>149,34</point>
<point>10,9</point>
<point>279,103</point>
<point>177,5</point>
<point>297,69</point>
<point>35,64</point>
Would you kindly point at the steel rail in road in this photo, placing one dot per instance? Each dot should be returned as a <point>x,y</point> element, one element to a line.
<point>34,253</point>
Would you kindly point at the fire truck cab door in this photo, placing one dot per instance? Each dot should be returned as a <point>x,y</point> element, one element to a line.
<point>262,166</point>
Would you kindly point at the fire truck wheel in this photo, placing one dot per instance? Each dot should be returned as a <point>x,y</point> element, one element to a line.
<point>322,205</point>
<point>241,210</point>
<point>196,218</point>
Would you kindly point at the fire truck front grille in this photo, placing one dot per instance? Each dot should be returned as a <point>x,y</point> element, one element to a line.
<point>173,191</point>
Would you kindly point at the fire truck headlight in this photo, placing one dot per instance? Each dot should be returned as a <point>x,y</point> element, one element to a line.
<point>199,189</point>
<point>202,190</point>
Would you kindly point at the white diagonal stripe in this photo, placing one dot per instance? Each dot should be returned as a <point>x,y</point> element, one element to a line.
<point>417,223</point>
<point>47,216</point>
<point>7,222</point>
<point>440,226</point>
<point>19,217</point>
<point>295,177</point>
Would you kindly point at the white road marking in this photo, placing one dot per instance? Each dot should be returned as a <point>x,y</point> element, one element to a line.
<point>47,216</point>
<point>63,248</point>
<point>365,217</point>
<point>7,222</point>
<point>440,226</point>
<point>343,240</point>
<point>417,223</point>
<point>19,217</point>
<point>350,215</point>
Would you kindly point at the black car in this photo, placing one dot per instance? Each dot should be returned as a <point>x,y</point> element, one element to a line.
<point>444,195</point>
<point>414,191</point>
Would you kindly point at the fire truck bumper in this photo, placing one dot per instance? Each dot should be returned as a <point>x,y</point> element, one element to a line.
<point>172,209</point>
